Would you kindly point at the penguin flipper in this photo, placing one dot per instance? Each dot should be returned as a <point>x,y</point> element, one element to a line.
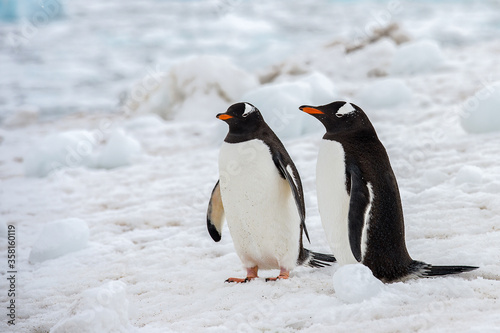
<point>289,172</point>
<point>215,214</point>
<point>359,201</point>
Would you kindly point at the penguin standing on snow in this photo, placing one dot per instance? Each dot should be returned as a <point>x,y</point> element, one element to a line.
<point>260,193</point>
<point>358,197</point>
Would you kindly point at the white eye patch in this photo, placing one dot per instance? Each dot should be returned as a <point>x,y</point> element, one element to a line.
<point>345,109</point>
<point>248,109</point>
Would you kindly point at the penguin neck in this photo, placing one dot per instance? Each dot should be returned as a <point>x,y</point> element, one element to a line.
<point>361,135</point>
<point>240,133</point>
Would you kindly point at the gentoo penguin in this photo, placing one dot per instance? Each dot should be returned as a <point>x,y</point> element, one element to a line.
<point>358,197</point>
<point>260,193</point>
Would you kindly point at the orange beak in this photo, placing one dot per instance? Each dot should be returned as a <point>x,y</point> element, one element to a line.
<point>224,116</point>
<point>310,110</point>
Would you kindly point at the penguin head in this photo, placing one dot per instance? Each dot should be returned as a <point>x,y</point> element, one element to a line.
<point>339,116</point>
<point>242,117</point>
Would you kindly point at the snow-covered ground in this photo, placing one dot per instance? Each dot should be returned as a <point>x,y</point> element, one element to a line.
<point>109,208</point>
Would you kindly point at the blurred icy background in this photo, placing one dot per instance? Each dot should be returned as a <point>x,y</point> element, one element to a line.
<point>64,56</point>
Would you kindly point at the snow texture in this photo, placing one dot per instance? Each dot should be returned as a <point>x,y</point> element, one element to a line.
<point>384,93</point>
<point>279,102</point>
<point>102,309</point>
<point>422,56</point>
<point>59,238</point>
<point>193,89</point>
<point>73,149</point>
<point>481,113</point>
<point>356,283</point>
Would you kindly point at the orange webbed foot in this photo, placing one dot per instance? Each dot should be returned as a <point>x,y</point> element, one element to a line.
<point>237,280</point>
<point>251,274</point>
<point>284,274</point>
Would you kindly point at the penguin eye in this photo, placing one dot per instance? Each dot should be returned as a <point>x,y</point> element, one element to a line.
<point>339,115</point>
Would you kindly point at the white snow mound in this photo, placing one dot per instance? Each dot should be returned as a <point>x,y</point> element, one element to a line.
<point>481,113</point>
<point>469,174</point>
<point>60,150</point>
<point>422,56</point>
<point>384,93</point>
<point>118,151</point>
<point>195,89</point>
<point>356,283</point>
<point>59,238</point>
<point>103,309</point>
<point>279,103</point>
<point>79,148</point>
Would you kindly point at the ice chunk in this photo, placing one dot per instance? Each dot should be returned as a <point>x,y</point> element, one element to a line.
<point>469,174</point>
<point>73,149</point>
<point>384,93</point>
<point>279,102</point>
<point>59,238</point>
<point>118,151</point>
<point>356,283</point>
<point>9,10</point>
<point>33,10</point>
<point>481,112</point>
<point>103,309</point>
<point>417,57</point>
<point>61,150</point>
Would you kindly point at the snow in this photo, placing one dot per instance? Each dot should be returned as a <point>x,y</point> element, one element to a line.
<point>24,116</point>
<point>279,102</point>
<point>469,174</point>
<point>118,151</point>
<point>77,148</point>
<point>481,112</point>
<point>356,283</point>
<point>148,244</point>
<point>59,238</point>
<point>102,309</point>
<point>60,150</point>
<point>384,93</point>
<point>193,89</point>
<point>417,57</point>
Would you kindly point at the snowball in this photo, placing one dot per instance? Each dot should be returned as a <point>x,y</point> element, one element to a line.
<point>56,151</point>
<point>279,103</point>
<point>195,89</point>
<point>356,283</point>
<point>417,57</point>
<point>103,309</point>
<point>24,116</point>
<point>60,238</point>
<point>481,112</point>
<point>118,151</point>
<point>384,93</point>
<point>469,174</point>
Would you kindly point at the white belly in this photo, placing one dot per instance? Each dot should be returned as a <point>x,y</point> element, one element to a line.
<point>260,209</point>
<point>333,200</point>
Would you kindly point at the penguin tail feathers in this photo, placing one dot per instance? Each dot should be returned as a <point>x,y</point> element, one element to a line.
<point>426,270</point>
<point>315,259</point>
